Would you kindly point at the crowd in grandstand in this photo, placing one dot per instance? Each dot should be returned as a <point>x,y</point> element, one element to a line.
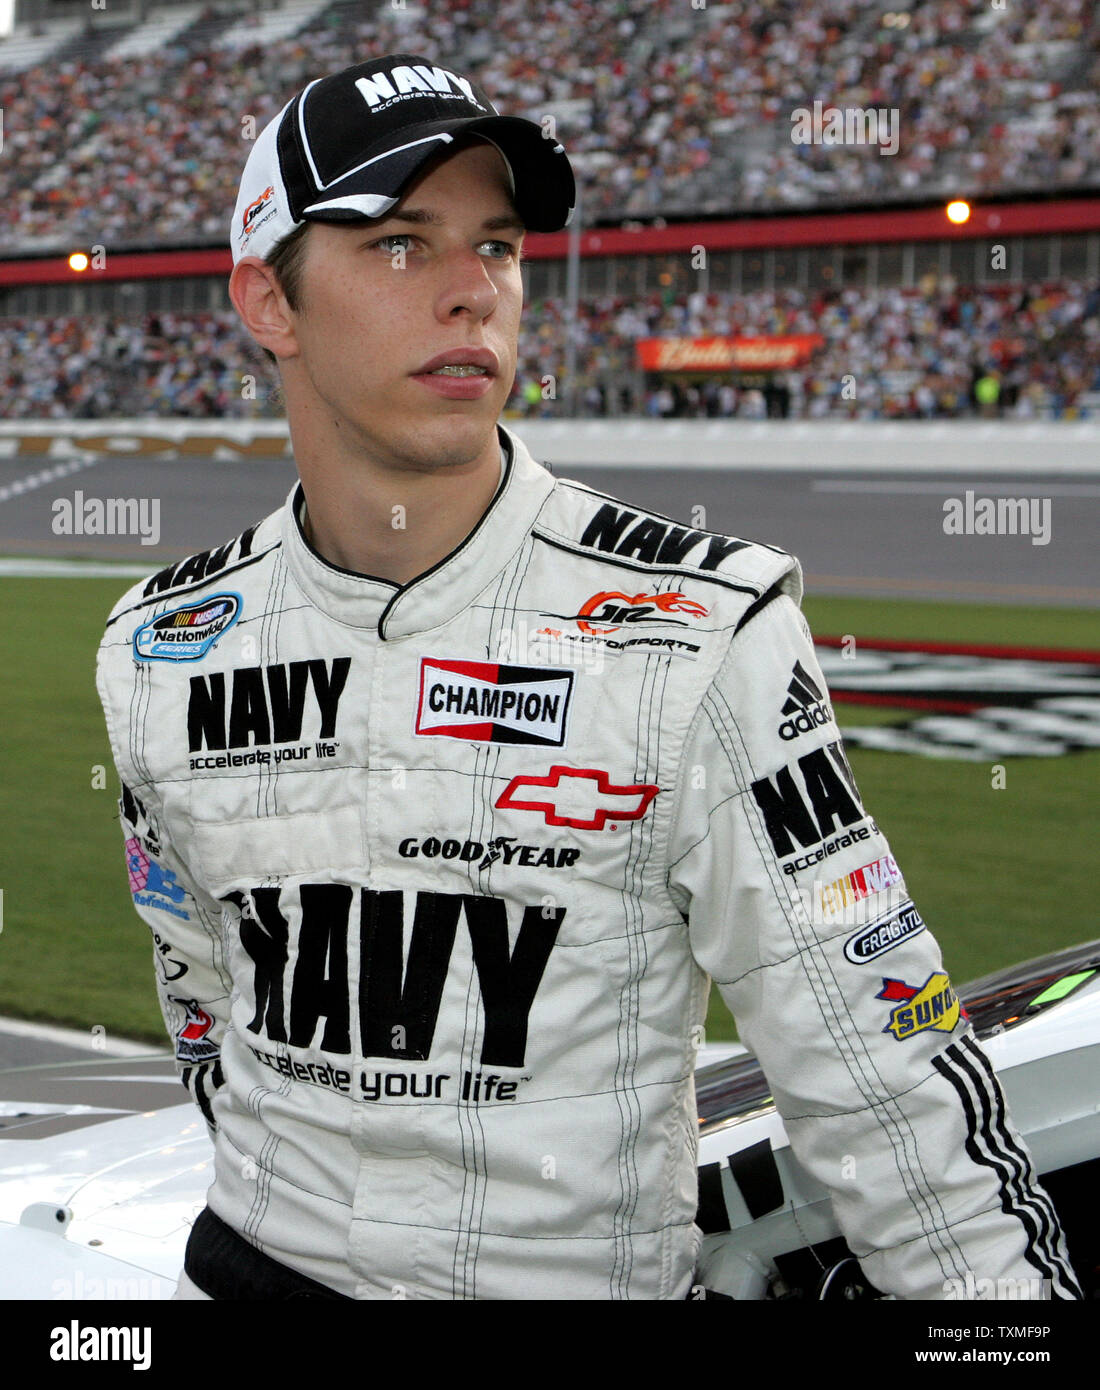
<point>939,352</point>
<point>667,108</point>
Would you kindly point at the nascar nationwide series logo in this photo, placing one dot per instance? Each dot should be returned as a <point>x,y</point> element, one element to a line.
<point>582,797</point>
<point>971,701</point>
<point>188,633</point>
<point>488,702</point>
<point>931,1005</point>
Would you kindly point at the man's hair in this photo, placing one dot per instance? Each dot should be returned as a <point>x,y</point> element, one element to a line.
<point>286,260</point>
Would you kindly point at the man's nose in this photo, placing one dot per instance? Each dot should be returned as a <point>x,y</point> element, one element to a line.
<point>466,285</point>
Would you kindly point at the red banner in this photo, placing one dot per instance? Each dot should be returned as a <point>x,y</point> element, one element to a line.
<point>727,354</point>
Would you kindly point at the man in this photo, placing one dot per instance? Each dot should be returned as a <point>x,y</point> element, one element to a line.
<point>450,785</point>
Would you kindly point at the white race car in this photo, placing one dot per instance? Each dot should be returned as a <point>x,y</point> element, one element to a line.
<point>105,1163</point>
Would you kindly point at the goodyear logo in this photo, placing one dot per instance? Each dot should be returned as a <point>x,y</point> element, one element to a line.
<point>933,1005</point>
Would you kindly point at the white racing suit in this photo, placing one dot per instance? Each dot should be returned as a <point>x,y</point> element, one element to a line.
<point>439,876</point>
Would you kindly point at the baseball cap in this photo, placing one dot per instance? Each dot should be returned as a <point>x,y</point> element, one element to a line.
<point>344,148</point>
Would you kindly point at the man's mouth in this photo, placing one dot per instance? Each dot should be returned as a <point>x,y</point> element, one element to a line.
<point>464,361</point>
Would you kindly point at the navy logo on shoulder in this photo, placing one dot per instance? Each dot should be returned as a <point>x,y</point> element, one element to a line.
<point>188,633</point>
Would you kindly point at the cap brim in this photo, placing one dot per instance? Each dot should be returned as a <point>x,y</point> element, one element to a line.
<point>545,190</point>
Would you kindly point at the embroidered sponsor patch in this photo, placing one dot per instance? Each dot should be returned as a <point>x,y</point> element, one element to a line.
<point>582,797</point>
<point>870,878</point>
<point>884,935</point>
<point>806,707</point>
<point>932,1005</point>
<point>256,214</point>
<point>151,885</point>
<point>501,849</point>
<point>609,609</point>
<point>192,1044</point>
<point>487,702</point>
<point>583,646</point>
<point>188,633</point>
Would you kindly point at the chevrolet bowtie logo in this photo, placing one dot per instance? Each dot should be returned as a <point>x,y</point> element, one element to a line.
<point>582,797</point>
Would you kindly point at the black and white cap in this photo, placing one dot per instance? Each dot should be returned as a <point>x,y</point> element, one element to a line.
<point>344,148</point>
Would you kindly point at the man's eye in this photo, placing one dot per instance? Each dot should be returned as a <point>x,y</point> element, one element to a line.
<point>504,249</point>
<point>384,242</point>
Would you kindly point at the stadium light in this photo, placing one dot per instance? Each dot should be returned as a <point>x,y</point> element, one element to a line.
<point>79,261</point>
<point>958,212</point>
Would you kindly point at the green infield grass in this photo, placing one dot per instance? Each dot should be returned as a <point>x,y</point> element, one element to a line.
<point>999,875</point>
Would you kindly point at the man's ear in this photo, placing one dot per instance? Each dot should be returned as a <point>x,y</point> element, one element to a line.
<point>259,300</point>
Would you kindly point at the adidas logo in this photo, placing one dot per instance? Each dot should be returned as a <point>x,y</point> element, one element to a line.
<point>805,704</point>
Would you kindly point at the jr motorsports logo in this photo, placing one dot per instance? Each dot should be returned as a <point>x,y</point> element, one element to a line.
<point>257,212</point>
<point>608,610</point>
<point>979,703</point>
<point>186,634</point>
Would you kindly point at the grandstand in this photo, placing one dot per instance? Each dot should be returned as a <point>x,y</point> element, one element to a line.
<point>669,111</point>
<point>125,129</point>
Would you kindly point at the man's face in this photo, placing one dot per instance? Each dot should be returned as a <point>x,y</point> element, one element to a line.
<point>380,300</point>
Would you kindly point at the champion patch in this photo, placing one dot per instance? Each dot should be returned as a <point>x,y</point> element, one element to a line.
<point>188,633</point>
<point>485,702</point>
<point>933,1005</point>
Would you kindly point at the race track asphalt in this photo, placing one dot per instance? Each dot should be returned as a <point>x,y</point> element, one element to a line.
<point>867,533</point>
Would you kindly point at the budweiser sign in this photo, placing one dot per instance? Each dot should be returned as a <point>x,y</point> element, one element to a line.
<point>727,354</point>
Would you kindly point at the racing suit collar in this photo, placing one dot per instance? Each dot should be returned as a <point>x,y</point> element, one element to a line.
<point>449,587</point>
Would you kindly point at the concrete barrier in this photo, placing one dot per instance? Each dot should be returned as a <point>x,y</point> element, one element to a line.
<point>1032,447</point>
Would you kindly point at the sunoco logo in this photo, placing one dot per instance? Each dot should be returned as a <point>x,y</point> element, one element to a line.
<point>884,935</point>
<point>805,705</point>
<point>186,634</point>
<point>931,1005</point>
